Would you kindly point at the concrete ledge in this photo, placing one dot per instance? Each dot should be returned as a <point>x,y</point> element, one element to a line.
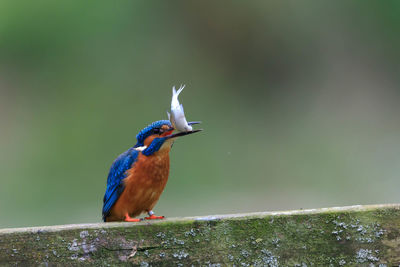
<point>341,236</point>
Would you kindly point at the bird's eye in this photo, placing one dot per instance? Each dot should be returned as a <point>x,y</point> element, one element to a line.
<point>156,130</point>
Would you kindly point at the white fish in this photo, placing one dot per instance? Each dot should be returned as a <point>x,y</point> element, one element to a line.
<point>177,115</point>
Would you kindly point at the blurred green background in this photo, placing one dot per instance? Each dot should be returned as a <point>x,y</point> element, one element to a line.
<point>299,102</point>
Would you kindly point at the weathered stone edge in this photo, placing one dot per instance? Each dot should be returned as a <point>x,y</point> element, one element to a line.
<point>239,216</point>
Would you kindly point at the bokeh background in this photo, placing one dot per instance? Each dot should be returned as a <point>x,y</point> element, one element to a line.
<point>299,102</point>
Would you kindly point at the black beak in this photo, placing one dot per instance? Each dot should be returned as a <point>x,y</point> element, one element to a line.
<point>182,134</point>
<point>194,122</point>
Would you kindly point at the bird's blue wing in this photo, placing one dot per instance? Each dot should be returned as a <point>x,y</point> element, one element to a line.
<point>115,185</point>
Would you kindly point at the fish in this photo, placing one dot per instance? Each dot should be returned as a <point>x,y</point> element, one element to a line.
<point>177,115</point>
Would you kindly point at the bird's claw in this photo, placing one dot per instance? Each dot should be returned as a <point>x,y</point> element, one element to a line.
<point>130,219</point>
<point>154,217</point>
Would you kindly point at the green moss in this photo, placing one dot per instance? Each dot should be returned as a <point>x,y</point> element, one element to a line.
<point>349,237</point>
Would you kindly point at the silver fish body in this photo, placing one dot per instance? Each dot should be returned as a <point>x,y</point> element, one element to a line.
<point>177,115</point>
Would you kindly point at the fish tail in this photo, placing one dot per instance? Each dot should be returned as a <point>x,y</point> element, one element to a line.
<point>176,93</point>
<point>180,89</point>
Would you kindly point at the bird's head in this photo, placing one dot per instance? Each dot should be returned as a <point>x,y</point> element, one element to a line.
<point>157,136</point>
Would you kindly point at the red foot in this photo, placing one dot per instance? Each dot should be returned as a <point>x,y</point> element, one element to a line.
<point>154,217</point>
<point>129,219</point>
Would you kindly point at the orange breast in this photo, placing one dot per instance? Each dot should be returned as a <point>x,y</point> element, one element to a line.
<point>143,186</point>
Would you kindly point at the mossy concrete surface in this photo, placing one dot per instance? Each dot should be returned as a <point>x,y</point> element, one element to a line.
<point>346,236</point>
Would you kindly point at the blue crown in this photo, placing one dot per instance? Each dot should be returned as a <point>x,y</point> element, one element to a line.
<point>146,132</point>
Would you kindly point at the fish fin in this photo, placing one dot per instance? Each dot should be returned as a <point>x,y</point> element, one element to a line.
<point>171,119</point>
<point>173,90</point>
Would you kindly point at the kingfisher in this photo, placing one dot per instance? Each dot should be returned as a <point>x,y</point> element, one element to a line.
<point>138,176</point>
